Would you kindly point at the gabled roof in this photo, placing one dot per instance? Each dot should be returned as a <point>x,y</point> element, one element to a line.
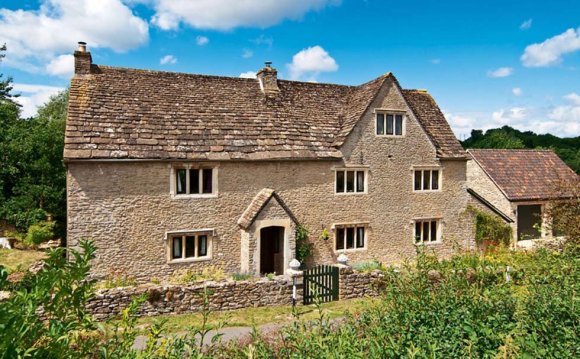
<point>258,203</point>
<point>524,175</point>
<point>119,113</point>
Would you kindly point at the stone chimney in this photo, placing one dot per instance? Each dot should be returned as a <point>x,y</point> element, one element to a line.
<point>268,79</point>
<point>83,60</point>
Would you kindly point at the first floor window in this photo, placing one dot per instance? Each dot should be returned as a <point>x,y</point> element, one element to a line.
<point>350,237</point>
<point>426,180</point>
<point>350,181</point>
<point>194,181</point>
<point>189,246</point>
<point>426,230</point>
<point>389,124</point>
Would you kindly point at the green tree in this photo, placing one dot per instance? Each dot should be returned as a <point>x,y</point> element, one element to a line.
<point>6,84</point>
<point>33,178</point>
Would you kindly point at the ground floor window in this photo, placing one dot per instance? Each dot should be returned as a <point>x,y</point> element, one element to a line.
<point>350,237</point>
<point>427,231</point>
<point>189,246</point>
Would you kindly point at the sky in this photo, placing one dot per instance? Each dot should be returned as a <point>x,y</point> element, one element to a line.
<point>487,63</point>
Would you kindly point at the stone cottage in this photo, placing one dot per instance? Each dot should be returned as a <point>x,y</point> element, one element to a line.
<point>520,184</point>
<point>172,170</point>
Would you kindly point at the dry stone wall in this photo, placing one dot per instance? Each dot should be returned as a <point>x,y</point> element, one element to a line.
<point>224,295</point>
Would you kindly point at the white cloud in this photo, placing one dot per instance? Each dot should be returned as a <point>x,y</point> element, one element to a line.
<point>246,54</point>
<point>517,91</point>
<point>248,75</point>
<point>227,14</point>
<point>35,37</point>
<point>500,72</point>
<point>263,40</point>
<point>574,98</point>
<point>168,60</point>
<point>63,65</point>
<point>526,24</point>
<point>550,52</point>
<point>311,61</point>
<point>201,40</point>
<point>509,116</point>
<point>33,96</point>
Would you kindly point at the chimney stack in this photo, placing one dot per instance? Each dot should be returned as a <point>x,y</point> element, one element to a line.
<point>83,60</point>
<point>268,79</point>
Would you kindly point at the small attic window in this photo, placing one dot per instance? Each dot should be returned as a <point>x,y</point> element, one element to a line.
<point>390,124</point>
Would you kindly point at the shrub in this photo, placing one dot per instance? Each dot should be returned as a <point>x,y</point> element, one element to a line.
<point>304,249</point>
<point>491,228</point>
<point>39,232</point>
<point>367,266</point>
<point>241,276</point>
<point>116,280</point>
<point>187,276</point>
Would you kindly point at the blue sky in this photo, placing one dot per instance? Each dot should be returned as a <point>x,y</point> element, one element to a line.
<point>487,63</point>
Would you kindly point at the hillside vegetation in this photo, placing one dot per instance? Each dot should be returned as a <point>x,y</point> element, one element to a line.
<point>568,149</point>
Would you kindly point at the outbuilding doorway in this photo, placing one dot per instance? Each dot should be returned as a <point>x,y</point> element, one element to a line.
<point>529,221</point>
<point>272,250</point>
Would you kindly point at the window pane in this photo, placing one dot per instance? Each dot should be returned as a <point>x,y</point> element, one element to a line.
<point>433,231</point>
<point>426,231</point>
<point>360,181</point>
<point>350,238</point>
<point>339,238</point>
<point>360,237</point>
<point>389,124</point>
<point>350,181</point>
<point>399,125</point>
<point>380,124</point>
<point>207,180</point>
<point>189,246</point>
<point>418,180</point>
<point>176,245</point>
<point>339,181</point>
<point>435,180</point>
<point>202,246</point>
<point>180,181</point>
<point>193,181</point>
<point>426,179</point>
<point>417,232</point>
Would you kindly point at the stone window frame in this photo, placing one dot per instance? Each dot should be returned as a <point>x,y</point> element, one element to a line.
<point>394,112</point>
<point>426,168</point>
<point>356,169</point>
<point>209,232</point>
<point>439,228</point>
<point>189,166</point>
<point>334,229</point>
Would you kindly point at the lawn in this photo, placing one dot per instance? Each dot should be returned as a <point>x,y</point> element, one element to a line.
<point>19,260</point>
<point>249,317</point>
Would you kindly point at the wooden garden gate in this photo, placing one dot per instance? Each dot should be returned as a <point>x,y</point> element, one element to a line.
<point>320,283</point>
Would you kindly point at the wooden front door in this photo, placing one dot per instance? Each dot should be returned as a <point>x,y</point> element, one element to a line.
<point>272,250</point>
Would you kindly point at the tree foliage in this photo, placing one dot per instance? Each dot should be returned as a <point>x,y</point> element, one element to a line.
<point>32,176</point>
<point>568,149</point>
<point>6,95</point>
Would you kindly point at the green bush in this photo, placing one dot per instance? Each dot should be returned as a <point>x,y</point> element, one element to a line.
<point>367,266</point>
<point>304,248</point>
<point>39,232</point>
<point>491,228</point>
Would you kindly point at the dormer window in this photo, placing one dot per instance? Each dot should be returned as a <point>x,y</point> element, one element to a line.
<point>390,124</point>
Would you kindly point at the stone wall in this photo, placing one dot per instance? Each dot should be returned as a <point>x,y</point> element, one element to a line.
<point>225,295</point>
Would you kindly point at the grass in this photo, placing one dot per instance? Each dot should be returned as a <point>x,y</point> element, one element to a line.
<point>19,260</point>
<point>248,317</point>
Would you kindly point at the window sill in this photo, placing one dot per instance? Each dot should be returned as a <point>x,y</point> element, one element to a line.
<point>191,196</point>
<point>350,193</point>
<point>426,191</point>
<point>354,250</point>
<point>390,136</point>
<point>428,243</point>
<point>189,260</point>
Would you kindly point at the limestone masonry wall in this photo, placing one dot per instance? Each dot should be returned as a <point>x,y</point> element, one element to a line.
<point>225,295</point>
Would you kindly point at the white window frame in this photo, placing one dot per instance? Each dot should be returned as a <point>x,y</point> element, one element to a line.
<point>189,233</point>
<point>355,170</point>
<point>431,169</point>
<point>192,166</point>
<point>335,228</point>
<point>386,112</point>
<point>439,228</point>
